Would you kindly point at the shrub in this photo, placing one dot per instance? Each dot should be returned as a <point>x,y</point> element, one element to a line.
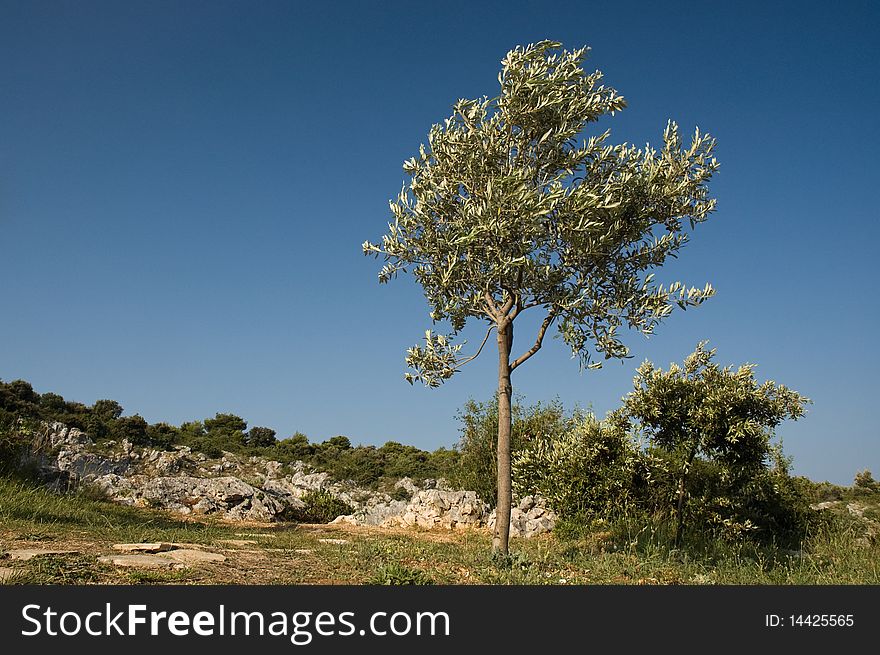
<point>585,473</point>
<point>11,444</point>
<point>205,445</point>
<point>22,441</point>
<point>864,480</point>
<point>476,465</point>
<point>259,437</point>
<point>133,428</point>
<point>765,505</point>
<point>162,435</point>
<point>293,448</point>
<point>320,507</point>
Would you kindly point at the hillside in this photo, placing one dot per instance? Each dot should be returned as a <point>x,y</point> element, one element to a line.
<point>80,510</point>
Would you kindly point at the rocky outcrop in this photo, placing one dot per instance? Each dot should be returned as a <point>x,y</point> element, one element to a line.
<point>376,511</point>
<point>433,508</point>
<point>227,495</point>
<point>528,518</point>
<point>257,489</point>
<point>436,508</point>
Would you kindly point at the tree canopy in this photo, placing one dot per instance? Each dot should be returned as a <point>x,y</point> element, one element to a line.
<point>509,208</point>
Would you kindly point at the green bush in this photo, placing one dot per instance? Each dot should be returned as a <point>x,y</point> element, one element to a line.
<point>320,507</point>
<point>585,473</point>
<point>11,444</point>
<point>864,480</point>
<point>764,506</point>
<point>21,442</point>
<point>205,445</point>
<point>476,466</point>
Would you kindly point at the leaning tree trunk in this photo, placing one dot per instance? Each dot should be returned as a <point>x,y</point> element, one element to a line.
<point>501,539</point>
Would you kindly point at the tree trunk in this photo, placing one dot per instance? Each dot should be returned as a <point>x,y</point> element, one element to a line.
<point>679,510</point>
<point>501,539</point>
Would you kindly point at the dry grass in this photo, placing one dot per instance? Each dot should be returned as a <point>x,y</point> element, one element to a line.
<point>295,554</point>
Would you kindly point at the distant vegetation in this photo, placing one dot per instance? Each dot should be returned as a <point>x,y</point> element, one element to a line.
<point>367,466</point>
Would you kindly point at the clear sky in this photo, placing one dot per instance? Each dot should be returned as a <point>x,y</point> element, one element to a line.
<point>184,188</point>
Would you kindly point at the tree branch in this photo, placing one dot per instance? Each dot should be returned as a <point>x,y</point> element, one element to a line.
<point>509,303</point>
<point>531,351</point>
<point>479,350</point>
<point>492,308</point>
<point>518,302</point>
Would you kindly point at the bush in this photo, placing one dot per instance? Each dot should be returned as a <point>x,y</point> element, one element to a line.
<point>22,441</point>
<point>293,448</point>
<point>205,445</point>
<point>162,435</point>
<point>133,428</point>
<point>258,437</point>
<point>11,444</point>
<point>720,419</point>
<point>320,507</point>
<point>585,473</point>
<point>476,465</point>
<point>864,480</point>
<point>763,506</point>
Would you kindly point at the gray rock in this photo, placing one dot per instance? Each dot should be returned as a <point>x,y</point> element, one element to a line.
<point>192,556</point>
<point>141,561</point>
<point>431,508</point>
<point>408,486</point>
<point>156,547</point>
<point>528,518</point>
<point>25,554</point>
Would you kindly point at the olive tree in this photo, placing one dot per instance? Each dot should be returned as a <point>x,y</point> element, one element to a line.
<point>700,410</point>
<point>512,208</point>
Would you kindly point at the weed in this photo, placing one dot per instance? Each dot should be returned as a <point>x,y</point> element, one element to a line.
<point>395,573</point>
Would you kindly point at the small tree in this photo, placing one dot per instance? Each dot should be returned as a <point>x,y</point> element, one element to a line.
<point>133,428</point>
<point>700,410</point>
<point>508,211</point>
<point>226,425</point>
<point>260,437</point>
<point>864,480</point>
<point>107,410</point>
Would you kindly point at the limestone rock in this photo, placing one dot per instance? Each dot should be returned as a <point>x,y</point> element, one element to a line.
<point>528,518</point>
<point>431,508</point>
<point>408,486</point>
<point>141,561</point>
<point>192,556</point>
<point>26,554</point>
<point>156,547</point>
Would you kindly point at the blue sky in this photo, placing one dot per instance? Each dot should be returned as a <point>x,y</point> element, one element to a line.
<point>184,188</point>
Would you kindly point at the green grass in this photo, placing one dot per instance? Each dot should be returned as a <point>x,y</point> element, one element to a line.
<point>837,553</point>
<point>32,510</point>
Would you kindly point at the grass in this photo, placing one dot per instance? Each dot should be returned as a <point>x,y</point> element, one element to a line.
<point>32,517</point>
